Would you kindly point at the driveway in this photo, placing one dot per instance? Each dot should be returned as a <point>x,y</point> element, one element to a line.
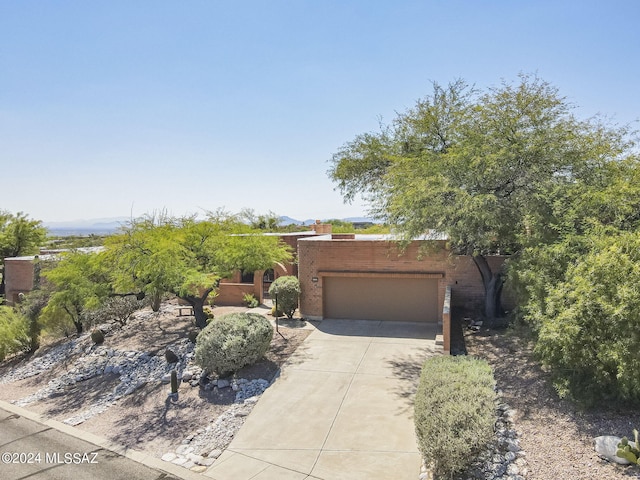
<point>342,408</point>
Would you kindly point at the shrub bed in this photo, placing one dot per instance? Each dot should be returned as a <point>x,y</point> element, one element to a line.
<point>454,412</point>
<point>233,341</point>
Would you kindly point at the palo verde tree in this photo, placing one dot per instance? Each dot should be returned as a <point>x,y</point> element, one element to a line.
<point>486,168</point>
<point>19,235</point>
<point>81,282</point>
<point>187,258</point>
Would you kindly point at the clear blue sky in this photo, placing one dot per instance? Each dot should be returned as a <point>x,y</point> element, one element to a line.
<point>116,107</point>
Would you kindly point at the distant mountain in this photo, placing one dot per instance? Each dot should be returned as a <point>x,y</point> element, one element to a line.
<point>285,221</point>
<point>98,226</point>
<point>359,220</point>
<point>107,226</point>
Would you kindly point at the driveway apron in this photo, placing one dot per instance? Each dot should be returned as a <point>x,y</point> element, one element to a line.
<point>342,408</point>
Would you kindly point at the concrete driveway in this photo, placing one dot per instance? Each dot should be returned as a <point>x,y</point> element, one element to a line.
<point>342,408</point>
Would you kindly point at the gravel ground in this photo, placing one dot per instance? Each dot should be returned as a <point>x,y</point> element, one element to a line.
<point>556,435</point>
<point>144,419</point>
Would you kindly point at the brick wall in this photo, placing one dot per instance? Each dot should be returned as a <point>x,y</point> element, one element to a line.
<point>356,255</point>
<point>18,273</point>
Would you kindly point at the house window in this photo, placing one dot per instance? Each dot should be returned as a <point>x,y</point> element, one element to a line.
<point>246,277</point>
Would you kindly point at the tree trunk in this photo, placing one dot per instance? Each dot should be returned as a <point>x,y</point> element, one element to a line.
<point>197,303</point>
<point>77,320</point>
<point>492,282</point>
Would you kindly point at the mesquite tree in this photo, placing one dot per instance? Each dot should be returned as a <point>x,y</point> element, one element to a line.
<point>483,167</point>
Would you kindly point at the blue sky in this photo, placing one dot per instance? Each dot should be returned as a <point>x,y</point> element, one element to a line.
<point>114,108</point>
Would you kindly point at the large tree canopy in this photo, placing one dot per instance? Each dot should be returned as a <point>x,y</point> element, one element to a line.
<point>493,170</point>
<point>188,258</point>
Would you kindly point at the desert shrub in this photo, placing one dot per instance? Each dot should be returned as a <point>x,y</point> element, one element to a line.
<point>288,288</point>
<point>232,342</point>
<point>115,309</point>
<point>250,300</point>
<point>14,332</point>
<point>97,336</point>
<point>454,412</point>
<point>589,333</point>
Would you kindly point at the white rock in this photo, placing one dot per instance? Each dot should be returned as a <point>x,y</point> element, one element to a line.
<point>607,445</point>
<point>194,457</point>
<point>179,461</point>
<point>169,457</point>
<point>184,450</point>
<point>215,453</point>
<point>186,376</point>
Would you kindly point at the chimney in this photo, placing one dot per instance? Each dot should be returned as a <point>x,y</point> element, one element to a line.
<point>321,228</point>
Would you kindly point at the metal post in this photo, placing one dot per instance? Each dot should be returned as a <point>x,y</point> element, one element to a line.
<point>275,292</point>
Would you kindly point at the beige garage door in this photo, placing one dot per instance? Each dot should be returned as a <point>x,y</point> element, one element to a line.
<point>399,299</point>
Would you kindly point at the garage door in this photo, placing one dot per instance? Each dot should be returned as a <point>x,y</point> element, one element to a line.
<point>379,298</point>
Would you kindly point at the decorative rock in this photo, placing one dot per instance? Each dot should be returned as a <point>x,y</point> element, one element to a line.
<point>169,457</point>
<point>214,453</point>
<point>186,376</point>
<point>179,461</point>
<point>206,461</point>
<point>185,449</point>
<point>607,445</point>
<point>170,356</point>
<point>194,458</point>
<point>198,469</point>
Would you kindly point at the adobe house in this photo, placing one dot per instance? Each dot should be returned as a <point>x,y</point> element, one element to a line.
<point>351,276</point>
<point>232,290</point>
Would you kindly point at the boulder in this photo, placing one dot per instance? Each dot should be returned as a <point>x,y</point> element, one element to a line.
<point>607,445</point>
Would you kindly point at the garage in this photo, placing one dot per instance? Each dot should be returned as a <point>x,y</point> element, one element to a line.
<point>380,297</point>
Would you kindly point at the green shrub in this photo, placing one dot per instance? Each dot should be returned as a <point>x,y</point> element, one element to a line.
<point>288,288</point>
<point>454,412</point>
<point>14,332</point>
<point>250,300</point>
<point>589,333</point>
<point>232,342</point>
<point>118,309</point>
<point>97,336</point>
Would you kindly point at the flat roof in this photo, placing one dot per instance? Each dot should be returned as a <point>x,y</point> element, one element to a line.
<point>372,237</point>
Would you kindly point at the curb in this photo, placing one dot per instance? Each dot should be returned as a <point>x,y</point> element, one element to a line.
<point>140,457</point>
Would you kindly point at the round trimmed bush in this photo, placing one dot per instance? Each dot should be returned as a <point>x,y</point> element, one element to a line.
<point>288,288</point>
<point>454,412</point>
<point>232,342</point>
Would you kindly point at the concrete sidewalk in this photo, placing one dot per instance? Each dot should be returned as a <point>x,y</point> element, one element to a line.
<point>342,408</point>
<point>42,449</point>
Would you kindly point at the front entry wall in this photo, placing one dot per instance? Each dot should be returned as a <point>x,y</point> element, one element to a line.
<point>381,298</point>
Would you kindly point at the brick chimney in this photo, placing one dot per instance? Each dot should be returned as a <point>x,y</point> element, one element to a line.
<point>321,228</point>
